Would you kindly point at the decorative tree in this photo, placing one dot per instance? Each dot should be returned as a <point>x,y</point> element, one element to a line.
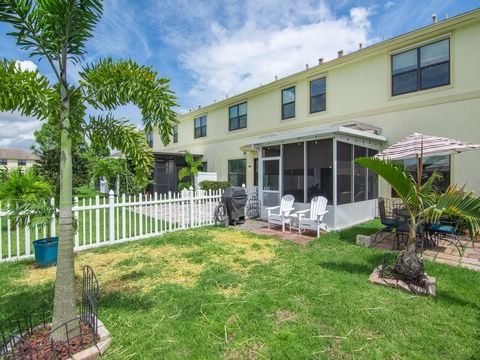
<point>424,205</point>
<point>57,31</point>
<point>190,171</point>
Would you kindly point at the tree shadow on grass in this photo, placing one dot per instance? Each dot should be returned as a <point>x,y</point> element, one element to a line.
<point>349,235</point>
<point>27,300</point>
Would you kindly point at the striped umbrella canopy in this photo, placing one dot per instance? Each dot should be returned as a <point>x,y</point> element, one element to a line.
<point>419,146</point>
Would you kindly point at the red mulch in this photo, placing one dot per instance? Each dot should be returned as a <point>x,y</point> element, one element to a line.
<point>39,347</point>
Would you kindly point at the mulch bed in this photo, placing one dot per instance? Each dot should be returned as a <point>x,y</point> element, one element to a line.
<point>39,346</point>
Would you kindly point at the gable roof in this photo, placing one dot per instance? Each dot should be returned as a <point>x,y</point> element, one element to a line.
<point>16,154</point>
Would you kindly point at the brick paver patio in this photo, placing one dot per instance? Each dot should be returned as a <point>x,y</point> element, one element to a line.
<point>444,253</point>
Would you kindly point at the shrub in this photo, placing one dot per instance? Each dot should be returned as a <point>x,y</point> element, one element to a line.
<point>213,185</point>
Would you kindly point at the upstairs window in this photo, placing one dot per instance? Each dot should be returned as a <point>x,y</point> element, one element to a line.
<point>200,126</point>
<point>150,139</point>
<point>175,134</point>
<point>318,92</point>
<point>237,116</point>
<point>422,68</point>
<point>3,162</point>
<point>288,103</point>
<point>22,162</point>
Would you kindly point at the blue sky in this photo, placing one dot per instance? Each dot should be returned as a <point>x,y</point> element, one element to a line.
<point>210,49</point>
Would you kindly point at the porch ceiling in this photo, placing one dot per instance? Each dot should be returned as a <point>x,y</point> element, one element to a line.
<point>314,133</point>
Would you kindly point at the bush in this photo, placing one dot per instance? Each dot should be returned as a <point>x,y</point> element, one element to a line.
<point>213,185</point>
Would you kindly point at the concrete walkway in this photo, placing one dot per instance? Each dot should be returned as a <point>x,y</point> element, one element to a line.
<point>261,228</point>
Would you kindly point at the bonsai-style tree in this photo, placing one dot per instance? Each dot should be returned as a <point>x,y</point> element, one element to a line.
<point>189,171</point>
<point>424,205</point>
<point>56,31</point>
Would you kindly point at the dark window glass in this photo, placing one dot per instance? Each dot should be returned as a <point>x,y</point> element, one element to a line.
<point>421,68</point>
<point>372,179</point>
<point>204,166</point>
<point>288,103</point>
<point>237,174</point>
<point>3,162</point>
<point>431,164</point>
<point>318,90</point>
<point>271,151</point>
<point>175,133</point>
<point>255,172</point>
<point>271,171</point>
<point>320,169</point>
<point>150,139</point>
<point>293,170</point>
<point>344,173</point>
<point>22,162</point>
<point>360,176</point>
<point>200,126</point>
<point>237,116</point>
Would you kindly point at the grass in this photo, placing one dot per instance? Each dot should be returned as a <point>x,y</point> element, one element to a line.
<point>217,293</point>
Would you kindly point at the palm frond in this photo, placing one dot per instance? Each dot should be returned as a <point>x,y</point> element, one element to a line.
<point>25,91</point>
<point>126,138</point>
<point>109,84</point>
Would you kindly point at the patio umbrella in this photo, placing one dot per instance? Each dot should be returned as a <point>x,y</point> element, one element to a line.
<point>419,146</point>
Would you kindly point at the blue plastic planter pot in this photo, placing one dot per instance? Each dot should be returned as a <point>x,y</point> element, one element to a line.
<point>46,251</point>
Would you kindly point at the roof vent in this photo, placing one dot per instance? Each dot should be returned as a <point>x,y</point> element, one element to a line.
<point>340,53</point>
<point>446,16</point>
<point>306,66</point>
<point>434,18</point>
<point>320,61</point>
<point>199,106</point>
<point>276,77</point>
<point>360,45</point>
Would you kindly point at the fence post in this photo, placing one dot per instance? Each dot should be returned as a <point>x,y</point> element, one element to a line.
<point>170,211</point>
<point>97,219</point>
<point>111,216</point>
<point>140,215</point>
<point>75,220</point>
<point>52,222</point>
<point>192,219</point>
<point>124,223</point>
<point>155,206</point>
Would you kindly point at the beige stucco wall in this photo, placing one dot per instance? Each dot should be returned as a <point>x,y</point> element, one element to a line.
<point>358,89</point>
<point>13,163</point>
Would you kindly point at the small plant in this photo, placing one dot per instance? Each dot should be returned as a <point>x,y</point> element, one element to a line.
<point>190,171</point>
<point>38,212</point>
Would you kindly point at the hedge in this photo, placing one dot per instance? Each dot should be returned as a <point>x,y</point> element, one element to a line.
<point>213,185</point>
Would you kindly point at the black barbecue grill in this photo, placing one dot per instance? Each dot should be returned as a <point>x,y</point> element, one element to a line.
<point>235,199</point>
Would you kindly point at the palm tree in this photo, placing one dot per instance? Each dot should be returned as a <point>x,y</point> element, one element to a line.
<point>424,205</point>
<point>189,171</point>
<point>56,31</point>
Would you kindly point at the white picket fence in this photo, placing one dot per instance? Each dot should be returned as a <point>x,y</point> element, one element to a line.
<point>114,219</point>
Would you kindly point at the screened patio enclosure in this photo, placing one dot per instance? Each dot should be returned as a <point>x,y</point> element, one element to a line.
<point>318,162</point>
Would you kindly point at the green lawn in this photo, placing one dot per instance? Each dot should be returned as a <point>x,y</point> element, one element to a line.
<point>217,293</point>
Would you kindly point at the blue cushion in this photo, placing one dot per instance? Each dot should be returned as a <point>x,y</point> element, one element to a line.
<point>446,229</point>
<point>388,222</point>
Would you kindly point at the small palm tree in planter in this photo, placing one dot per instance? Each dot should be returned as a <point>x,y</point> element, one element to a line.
<point>189,172</point>
<point>425,205</point>
<point>39,213</point>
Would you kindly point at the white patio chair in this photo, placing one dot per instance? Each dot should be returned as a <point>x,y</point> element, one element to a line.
<point>281,217</point>
<point>314,219</point>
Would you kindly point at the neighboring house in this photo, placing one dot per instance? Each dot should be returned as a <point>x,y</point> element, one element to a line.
<point>12,158</point>
<point>299,134</point>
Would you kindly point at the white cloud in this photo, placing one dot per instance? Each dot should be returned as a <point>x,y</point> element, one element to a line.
<point>388,4</point>
<point>17,130</point>
<point>25,65</point>
<point>271,39</point>
<point>119,33</point>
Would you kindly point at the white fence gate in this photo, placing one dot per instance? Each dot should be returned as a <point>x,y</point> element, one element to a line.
<point>114,219</point>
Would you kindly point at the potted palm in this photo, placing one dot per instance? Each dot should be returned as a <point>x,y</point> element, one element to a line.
<point>28,195</point>
<point>39,213</point>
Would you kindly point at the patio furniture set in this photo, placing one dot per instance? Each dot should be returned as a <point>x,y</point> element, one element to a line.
<point>397,221</point>
<point>308,219</point>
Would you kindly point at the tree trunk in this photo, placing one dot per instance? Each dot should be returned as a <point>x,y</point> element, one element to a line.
<point>64,308</point>
<point>409,267</point>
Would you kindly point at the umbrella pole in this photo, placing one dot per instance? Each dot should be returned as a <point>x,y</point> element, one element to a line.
<point>420,166</point>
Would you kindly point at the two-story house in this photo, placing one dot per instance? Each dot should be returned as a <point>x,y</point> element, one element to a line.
<point>12,158</point>
<point>299,134</point>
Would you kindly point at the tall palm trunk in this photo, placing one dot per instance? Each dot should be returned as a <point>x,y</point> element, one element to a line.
<point>64,308</point>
